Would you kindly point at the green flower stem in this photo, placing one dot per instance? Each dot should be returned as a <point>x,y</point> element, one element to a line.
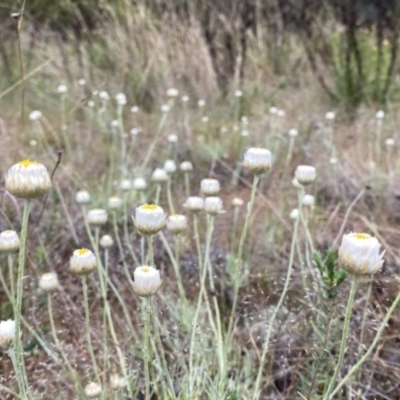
<point>108,317</point>
<point>11,279</point>
<point>71,370</point>
<point>150,254</point>
<point>345,333</point>
<point>20,380</point>
<point>153,316</point>
<point>146,317</point>
<point>378,335</point>
<point>175,263</point>
<point>18,349</point>
<point>238,263</point>
<point>169,194</point>
<point>87,325</point>
<point>256,394</point>
<point>120,249</point>
<point>187,184</point>
<point>158,191</point>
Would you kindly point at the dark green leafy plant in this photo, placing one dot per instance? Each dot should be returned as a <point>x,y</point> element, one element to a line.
<point>332,277</point>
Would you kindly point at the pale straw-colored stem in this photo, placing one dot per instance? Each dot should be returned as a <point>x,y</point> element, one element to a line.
<point>150,250</point>
<point>87,326</point>
<point>256,394</point>
<point>238,261</point>
<point>187,183</point>
<point>169,194</point>
<point>11,279</point>
<point>18,348</point>
<point>345,333</point>
<point>146,317</point>
<point>362,360</point>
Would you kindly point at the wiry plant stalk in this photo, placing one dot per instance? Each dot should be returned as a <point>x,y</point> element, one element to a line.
<point>18,348</point>
<point>346,326</point>
<point>256,394</point>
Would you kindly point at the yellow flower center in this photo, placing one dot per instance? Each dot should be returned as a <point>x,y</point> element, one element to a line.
<point>81,252</point>
<point>27,163</point>
<point>8,232</point>
<point>146,270</point>
<point>362,236</point>
<point>150,207</point>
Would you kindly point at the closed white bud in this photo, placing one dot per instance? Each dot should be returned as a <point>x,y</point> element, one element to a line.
<point>186,166</point>
<point>204,119</point>
<point>201,103</point>
<point>125,185</point>
<point>333,161</point>
<point>245,133</point>
<point>293,133</point>
<point>134,109</point>
<point>238,93</point>
<point>172,92</point>
<point>114,202</point>
<point>280,113</point>
<point>147,281</point>
<point>33,142</point>
<point>104,95</point>
<point>139,184</point>
<point>308,200</point>
<point>273,110</point>
<point>49,282</point>
<point>245,120</point>
<point>165,108</point>
<point>62,89</point>
<point>121,99</point>
<point>305,174</point>
<point>114,123</point>
<point>82,262</point>
<point>149,219</point>
<point>172,138</point>
<point>177,223</point>
<point>296,184</point>
<point>159,175</point>
<point>9,242</point>
<point>169,166</point>
<point>294,213</point>
<point>82,197</point>
<point>185,99</point>
<point>194,203</point>
<point>7,332</point>
<point>81,82</point>
<point>257,160</point>
<point>209,187</point>
<point>380,114</point>
<point>28,180</point>
<point>135,131</point>
<point>35,115</point>
<point>330,115</point>
<point>359,254</point>
<point>106,241</point>
<point>390,142</point>
<point>91,103</point>
<point>237,202</point>
<point>93,390</point>
<point>213,205</point>
<point>97,217</point>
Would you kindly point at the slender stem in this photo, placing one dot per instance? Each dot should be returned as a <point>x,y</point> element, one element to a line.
<point>256,394</point>
<point>71,370</point>
<point>175,263</point>
<point>146,317</point>
<point>20,380</point>
<point>19,356</point>
<point>187,184</point>
<point>169,194</point>
<point>11,279</point>
<point>153,316</point>
<point>150,250</point>
<point>238,265</point>
<point>370,349</point>
<point>346,327</point>
<point>87,323</point>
